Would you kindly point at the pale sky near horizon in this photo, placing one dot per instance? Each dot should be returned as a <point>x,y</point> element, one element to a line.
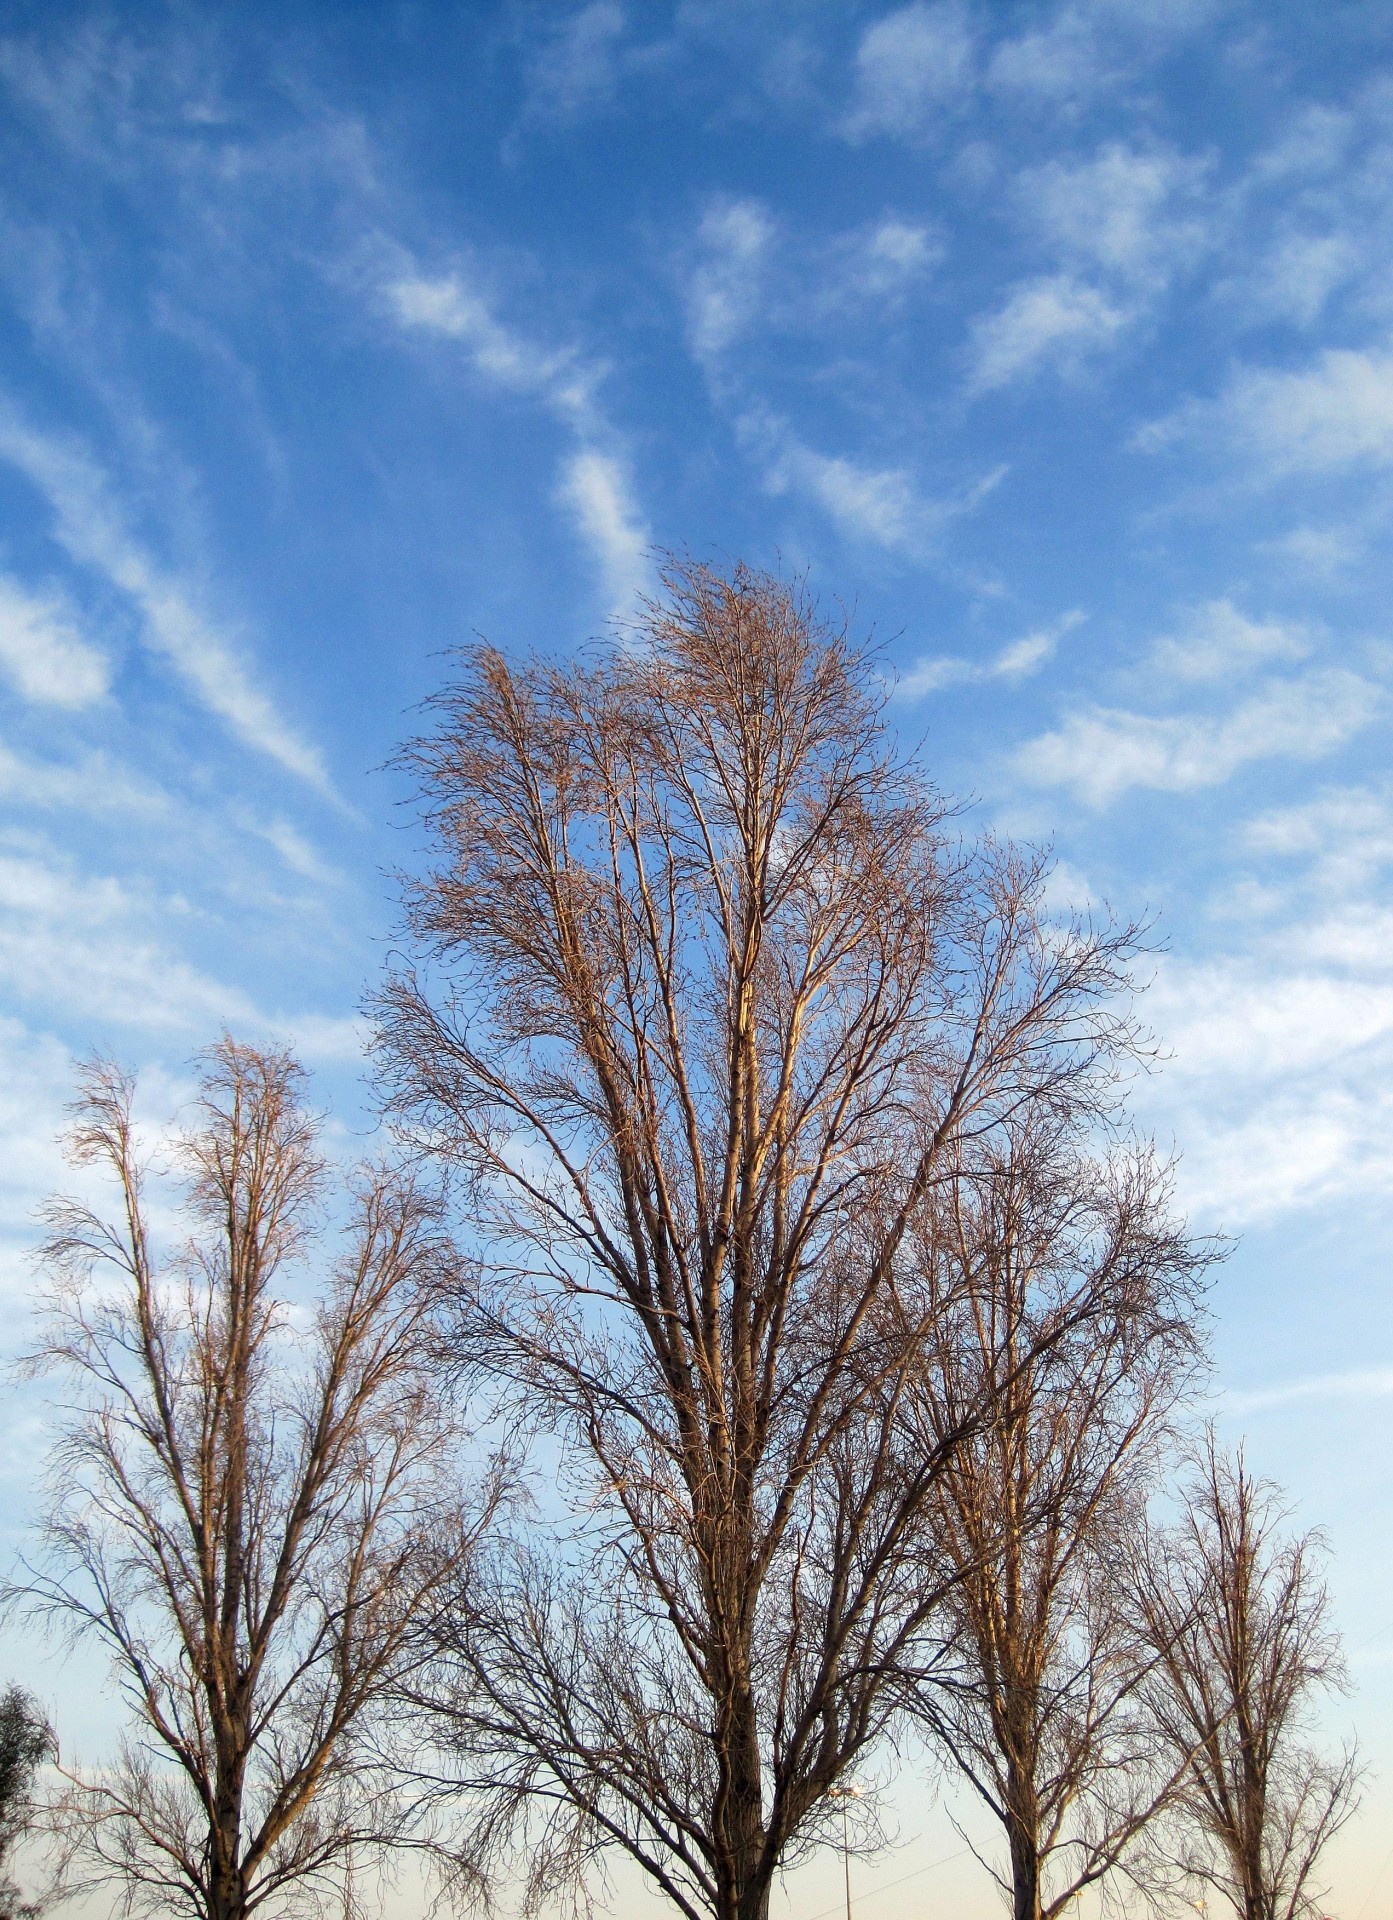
<point>1055,339</point>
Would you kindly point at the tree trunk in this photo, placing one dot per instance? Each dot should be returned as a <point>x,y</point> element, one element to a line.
<point>227,1889</point>
<point>1025,1875</point>
<point>754,1903</point>
<point>227,1895</point>
<point>744,1821</point>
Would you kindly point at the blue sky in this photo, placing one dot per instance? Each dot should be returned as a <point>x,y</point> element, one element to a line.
<point>1056,340</point>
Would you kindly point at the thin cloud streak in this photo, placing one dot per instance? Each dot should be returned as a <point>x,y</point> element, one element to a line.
<point>1365,1383</point>
<point>1021,660</point>
<point>595,489</point>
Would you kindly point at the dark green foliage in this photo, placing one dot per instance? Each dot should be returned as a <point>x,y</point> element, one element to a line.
<point>26,1741</point>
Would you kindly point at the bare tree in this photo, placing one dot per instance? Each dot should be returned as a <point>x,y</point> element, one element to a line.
<point>26,1741</point>
<point>707,991</point>
<point>1035,1695</point>
<point>246,1503</point>
<point>1239,1618</point>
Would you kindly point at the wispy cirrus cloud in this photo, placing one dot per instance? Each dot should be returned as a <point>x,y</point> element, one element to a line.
<point>1345,832</point>
<point>43,651</point>
<point>93,947</point>
<point>105,951</point>
<point>1086,47</point>
<point>747,284</point>
<point>881,505</point>
<point>1279,1083</point>
<point>1279,1056</point>
<point>1299,273</point>
<point>217,671</point>
<point>95,785</point>
<point>745,278</point>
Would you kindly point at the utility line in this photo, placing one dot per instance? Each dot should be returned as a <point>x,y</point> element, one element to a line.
<point>872,1893</point>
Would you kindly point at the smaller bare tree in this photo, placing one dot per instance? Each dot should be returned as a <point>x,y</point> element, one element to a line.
<point>1238,1615</point>
<point>1075,1304</point>
<point>246,1506</point>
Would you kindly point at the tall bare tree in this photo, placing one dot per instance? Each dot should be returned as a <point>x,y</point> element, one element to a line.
<point>246,1508</point>
<point>705,990</point>
<point>1034,1697</point>
<point>1239,1618</point>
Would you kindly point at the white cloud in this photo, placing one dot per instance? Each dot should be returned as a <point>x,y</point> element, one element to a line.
<point>592,484</point>
<point>595,489</point>
<point>1238,1020</point>
<point>297,853</point>
<point>94,950</point>
<point>1318,550</point>
<point>910,66</point>
<point>43,652</point>
<point>575,68</point>
<point>1337,414</point>
<point>724,289</point>
<point>1329,417</point>
<point>1222,643</point>
<point>882,505</point>
<point>446,305</point>
<point>896,251</point>
<point>1112,224</point>
<point>1015,662</point>
<point>1027,655</point>
<point>1059,60</point>
<point>1100,752</point>
<point>1314,142</point>
<point>211,666</point>
<point>323,1040</point>
<point>1301,272</point>
<point>1279,1084</point>
<point>933,671</point>
<point>1056,318</point>
<point>35,1073</point>
<point>876,263</point>
<point>745,282</point>
<point>1116,210</point>
<point>1089,45</point>
<point>1347,832</point>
